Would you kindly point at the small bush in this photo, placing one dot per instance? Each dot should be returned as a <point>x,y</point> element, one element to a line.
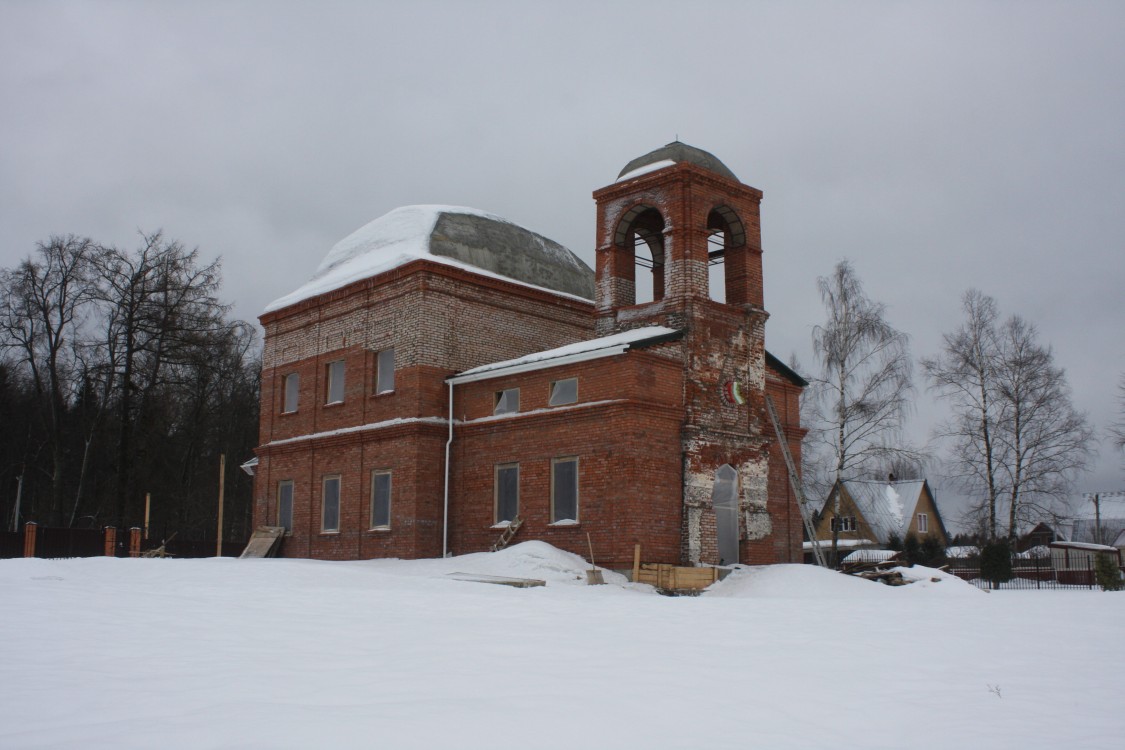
<point>1107,574</point>
<point>996,562</point>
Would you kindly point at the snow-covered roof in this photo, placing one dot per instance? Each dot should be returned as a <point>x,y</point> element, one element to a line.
<point>1083,545</point>
<point>467,238</point>
<point>840,544</point>
<point>581,351</point>
<point>887,507</point>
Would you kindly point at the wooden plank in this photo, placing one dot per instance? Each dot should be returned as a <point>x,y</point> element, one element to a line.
<point>519,583</point>
<point>636,562</point>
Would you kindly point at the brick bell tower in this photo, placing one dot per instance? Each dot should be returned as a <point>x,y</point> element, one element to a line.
<point>679,245</point>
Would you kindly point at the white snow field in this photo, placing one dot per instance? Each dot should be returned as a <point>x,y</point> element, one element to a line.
<point>224,653</point>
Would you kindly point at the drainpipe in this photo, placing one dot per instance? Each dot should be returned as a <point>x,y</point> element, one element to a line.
<point>445,512</point>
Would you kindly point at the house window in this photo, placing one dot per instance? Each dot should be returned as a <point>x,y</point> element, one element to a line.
<point>330,512</point>
<point>335,382</point>
<point>564,489</point>
<point>291,385</point>
<point>507,492</point>
<point>923,523</point>
<point>843,523</point>
<point>507,401</point>
<point>385,371</point>
<point>285,504</point>
<point>380,499</point>
<point>563,392</point>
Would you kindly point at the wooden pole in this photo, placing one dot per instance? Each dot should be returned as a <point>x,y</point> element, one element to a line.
<point>636,563</point>
<point>222,475</point>
<point>148,506</point>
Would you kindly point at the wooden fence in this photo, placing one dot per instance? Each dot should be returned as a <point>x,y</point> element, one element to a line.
<point>54,543</point>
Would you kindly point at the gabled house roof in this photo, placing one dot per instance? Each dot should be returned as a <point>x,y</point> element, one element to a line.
<point>887,507</point>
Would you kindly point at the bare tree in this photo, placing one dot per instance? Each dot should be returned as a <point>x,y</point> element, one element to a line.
<point>161,310</point>
<point>965,375</point>
<point>860,397</point>
<point>41,313</point>
<point>1117,429</point>
<point>1046,440</point>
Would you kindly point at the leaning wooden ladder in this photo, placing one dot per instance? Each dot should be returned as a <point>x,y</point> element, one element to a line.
<point>795,483</point>
<point>509,532</point>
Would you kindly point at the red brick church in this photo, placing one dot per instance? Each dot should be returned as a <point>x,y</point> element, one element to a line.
<point>446,374</point>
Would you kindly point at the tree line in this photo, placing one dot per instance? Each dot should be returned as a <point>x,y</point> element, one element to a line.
<point>121,376</point>
<point>1014,441</point>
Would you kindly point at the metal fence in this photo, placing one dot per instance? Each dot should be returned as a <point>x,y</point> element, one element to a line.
<point>1029,574</point>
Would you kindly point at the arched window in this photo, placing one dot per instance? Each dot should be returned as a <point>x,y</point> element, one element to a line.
<point>641,233</point>
<point>726,236</point>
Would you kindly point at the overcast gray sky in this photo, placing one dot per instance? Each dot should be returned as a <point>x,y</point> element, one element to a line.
<point>936,145</point>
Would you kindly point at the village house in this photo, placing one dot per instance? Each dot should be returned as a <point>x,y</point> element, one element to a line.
<point>875,515</point>
<point>447,377</point>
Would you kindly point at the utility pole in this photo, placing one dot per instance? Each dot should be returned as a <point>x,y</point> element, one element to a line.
<point>222,476</point>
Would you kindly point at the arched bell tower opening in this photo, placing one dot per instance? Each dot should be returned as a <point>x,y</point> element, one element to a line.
<point>726,243</point>
<point>641,234</point>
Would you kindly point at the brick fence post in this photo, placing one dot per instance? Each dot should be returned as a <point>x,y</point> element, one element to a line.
<point>134,542</point>
<point>29,531</point>
<point>110,541</point>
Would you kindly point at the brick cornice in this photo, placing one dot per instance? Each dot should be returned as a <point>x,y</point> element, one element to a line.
<point>423,266</point>
<point>672,175</point>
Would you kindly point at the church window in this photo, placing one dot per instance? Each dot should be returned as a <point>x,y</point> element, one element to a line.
<point>380,499</point>
<point>291,384</point>
<point>385,371</point>
<point>563,392</point>
<point>336,382</point>
<point>507,498</point>
<point>507,401</point>
<point>564,489</point>
<point>330,505</point>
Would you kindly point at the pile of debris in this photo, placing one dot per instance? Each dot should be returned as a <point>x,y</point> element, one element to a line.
<point>883,571</point>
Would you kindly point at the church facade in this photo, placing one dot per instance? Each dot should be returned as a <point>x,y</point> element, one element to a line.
<point>447,377</point>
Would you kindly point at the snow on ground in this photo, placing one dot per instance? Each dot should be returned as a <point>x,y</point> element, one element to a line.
<point>225,653</point>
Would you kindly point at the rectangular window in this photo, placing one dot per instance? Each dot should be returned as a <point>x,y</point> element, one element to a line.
<point>292,385</point>
<point>843,523</point>
<point>923,523</point>
<point>564,490</point>
<point>335,382</point>
<point>285,504</point>
<point>563,392</point>
<point>385,371</point>
<point>330,513</point>
<point>380,499</point>
<point>507,492</point>
<point>507,402</point>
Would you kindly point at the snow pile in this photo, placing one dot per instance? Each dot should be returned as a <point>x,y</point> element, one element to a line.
<point>533,559</point>
<point>656,165</point>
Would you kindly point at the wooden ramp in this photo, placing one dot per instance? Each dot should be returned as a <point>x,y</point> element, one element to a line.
<point>264,542</point>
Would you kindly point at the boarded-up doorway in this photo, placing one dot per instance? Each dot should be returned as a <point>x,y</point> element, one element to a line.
<point>724,498</point>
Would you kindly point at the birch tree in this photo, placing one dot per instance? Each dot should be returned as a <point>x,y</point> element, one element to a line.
<point>1016,438</point>
<point>861,394</point>
<point>1047,441</point>
<point>965,375</point>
